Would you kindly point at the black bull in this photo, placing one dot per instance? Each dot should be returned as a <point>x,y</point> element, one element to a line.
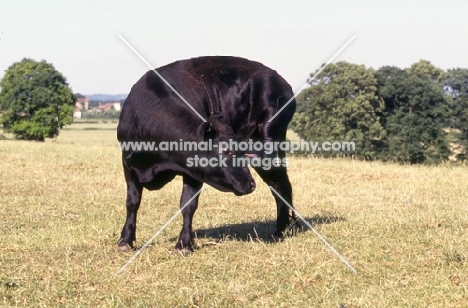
<point>237,97</point>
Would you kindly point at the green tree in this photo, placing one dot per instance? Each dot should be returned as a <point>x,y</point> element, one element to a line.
<point>36,100</point>
<point>424,67</point>
<point>341,104</point>
<point>415,109</point>
<point>456,87</point>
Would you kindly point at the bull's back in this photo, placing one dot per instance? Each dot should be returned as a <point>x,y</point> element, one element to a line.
<point>246,92</point>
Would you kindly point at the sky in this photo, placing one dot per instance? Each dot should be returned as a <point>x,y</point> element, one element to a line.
<point>81,38</point>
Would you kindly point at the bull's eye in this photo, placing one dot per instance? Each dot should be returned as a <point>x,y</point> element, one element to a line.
<point>227,152</point>
<point>223,144</point>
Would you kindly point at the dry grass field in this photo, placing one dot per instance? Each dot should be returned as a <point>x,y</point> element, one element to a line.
<point>403,228</point>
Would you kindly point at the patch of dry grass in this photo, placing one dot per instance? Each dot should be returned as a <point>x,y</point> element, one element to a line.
<point>404,229</point>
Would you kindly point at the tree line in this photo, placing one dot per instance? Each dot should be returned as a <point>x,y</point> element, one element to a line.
<point>413,115</point>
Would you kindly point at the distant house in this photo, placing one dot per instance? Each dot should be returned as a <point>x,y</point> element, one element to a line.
<point>109,106</point>
<point>82,103</point>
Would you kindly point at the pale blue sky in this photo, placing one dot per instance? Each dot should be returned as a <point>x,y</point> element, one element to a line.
<point>81,37</point>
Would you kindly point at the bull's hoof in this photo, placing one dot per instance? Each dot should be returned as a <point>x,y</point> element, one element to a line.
<point>280,234</point>
<point>277,238</point>
<point>182,252</point>
<point>125,248</point>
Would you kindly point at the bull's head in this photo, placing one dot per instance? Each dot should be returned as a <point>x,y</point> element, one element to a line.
<point>219,168</point>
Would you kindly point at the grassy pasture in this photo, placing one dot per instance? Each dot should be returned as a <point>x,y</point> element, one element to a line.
<point>404,229</point>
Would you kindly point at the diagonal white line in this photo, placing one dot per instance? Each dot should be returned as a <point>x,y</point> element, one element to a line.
<point>157,233</point>
<point>315,231</point>
<point>161,77</point>
<point>313,77</point>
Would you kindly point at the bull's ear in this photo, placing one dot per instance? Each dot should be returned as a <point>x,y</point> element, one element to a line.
<point>203,129</point>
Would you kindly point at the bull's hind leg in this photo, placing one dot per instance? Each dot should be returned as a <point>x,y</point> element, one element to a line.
<point>277,178</point>
<point>186,240</point>
<point>134,192</point>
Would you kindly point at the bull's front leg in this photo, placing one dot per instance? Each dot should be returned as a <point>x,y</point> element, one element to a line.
<point>186,240</point>
<point>134,192</point>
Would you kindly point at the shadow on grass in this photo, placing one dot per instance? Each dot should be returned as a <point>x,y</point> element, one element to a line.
<point>259,230</point>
